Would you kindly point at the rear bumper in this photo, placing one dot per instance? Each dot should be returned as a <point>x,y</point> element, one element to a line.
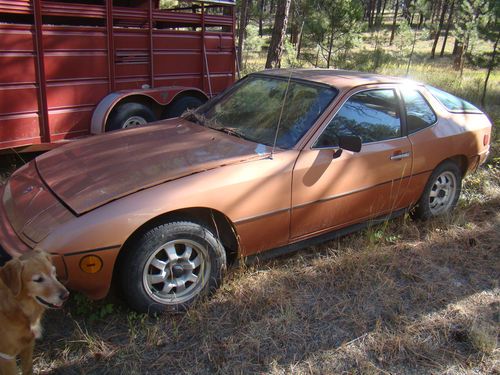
<point>476,161</point>
<point>483,156</point>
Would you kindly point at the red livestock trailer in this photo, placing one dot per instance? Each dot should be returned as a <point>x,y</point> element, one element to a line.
<point>72,68</point>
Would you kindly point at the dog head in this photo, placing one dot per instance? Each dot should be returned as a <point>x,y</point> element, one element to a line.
<point>34,276</point>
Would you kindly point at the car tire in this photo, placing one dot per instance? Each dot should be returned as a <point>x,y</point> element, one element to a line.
<point>129,114</point>
<point>441,192</point>
<point>180,105</point>
<point>171,266</point>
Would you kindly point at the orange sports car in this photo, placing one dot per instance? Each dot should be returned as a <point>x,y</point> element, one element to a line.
<point>282,157</point>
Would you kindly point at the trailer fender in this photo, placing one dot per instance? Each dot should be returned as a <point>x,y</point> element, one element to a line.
<point>161,96</point>
<point>101,112</point>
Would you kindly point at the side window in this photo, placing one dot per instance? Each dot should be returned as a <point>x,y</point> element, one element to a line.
<point>419,114</point>
<point>372,115</point>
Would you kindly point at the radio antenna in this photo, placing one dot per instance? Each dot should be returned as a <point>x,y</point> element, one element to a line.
<point>281,114</point>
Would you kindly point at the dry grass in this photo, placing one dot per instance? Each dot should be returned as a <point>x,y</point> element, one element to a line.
<point>403,297</point>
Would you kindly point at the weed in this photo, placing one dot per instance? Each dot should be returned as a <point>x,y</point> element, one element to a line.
<point>483,336</point>
<point>92,310</point>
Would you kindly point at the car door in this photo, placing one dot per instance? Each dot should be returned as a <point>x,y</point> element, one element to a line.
<point>331,192</point>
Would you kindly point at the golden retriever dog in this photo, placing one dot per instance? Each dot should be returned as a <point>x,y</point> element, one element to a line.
<point>28,286</point>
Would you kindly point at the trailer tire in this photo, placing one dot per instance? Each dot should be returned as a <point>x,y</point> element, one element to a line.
<point>180,105</point>
<point>129,114</point>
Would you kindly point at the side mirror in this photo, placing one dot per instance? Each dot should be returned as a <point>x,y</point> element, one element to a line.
<point>350,143</point>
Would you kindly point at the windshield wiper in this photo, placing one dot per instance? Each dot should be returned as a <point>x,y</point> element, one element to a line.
<point>197,119</point>
<point>230,131</point>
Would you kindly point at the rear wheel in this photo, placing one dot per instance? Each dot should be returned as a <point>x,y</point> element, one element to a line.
<point>441,193</point>
<point>171,266</point>
<point>127,115</point>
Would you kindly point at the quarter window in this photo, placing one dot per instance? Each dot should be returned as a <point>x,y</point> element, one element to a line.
<point>451,102</point>
<point>372,115</point>
<point>419,114</point>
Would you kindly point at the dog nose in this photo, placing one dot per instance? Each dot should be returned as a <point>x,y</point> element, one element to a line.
<point>64,295</point>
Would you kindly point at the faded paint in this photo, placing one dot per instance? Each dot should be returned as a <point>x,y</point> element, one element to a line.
<point>117,182</point>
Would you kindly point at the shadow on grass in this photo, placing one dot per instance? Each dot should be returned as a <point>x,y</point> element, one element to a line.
<point>388,299</point>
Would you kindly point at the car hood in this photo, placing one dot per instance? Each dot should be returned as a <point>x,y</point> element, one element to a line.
<point>94,171</point>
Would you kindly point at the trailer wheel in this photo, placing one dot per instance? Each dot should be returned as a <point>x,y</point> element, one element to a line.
<point>129,114</point>
<point>180,105</point>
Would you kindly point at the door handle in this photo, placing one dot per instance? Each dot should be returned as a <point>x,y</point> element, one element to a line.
<point>400,156</point>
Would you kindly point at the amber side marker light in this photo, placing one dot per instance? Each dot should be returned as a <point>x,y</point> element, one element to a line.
<point>91,264</point>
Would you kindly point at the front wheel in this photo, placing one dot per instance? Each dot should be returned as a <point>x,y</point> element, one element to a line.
<point>441,192</point>
<point>171,266</point>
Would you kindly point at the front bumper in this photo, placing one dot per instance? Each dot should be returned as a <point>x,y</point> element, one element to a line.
<point>9,240</point>
<point>67,265</point>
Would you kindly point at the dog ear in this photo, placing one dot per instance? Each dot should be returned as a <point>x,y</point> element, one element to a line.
<point>44,254</point>
<point>11,275</point>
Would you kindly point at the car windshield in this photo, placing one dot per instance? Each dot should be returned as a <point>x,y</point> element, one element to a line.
<point>256,104</point>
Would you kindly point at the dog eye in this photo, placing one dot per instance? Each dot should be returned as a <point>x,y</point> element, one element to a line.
<point>38,279</point>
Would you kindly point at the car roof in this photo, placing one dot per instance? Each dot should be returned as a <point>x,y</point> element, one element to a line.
<point>340,79</point>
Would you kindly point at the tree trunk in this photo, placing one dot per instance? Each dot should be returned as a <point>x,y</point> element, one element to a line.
<point>462,56</point>
<point>242,25</point>
<point>440,27</point>
<point>458,63</point>
<point>291,21</point>
<point>406,10</point>
<point>261,17</point>
<point>436,6</point>
<point>394,20</point>
<point>421,21</point>
<point>491,65</point>
<point>330,47</point>
<point>296,24</point>
<point>278,37</point>
<point>299,42</point>
<point>458,54</point>
<point>379,8</point>
<point>456,47</point>
<point>371,13</point>
<point>411,53</point>
<point>448,25</point>
<point>380,20</point>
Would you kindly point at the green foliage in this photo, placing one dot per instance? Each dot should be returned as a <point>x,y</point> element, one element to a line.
<point>404,38</point>
<point>136,323</point>
<point>333,24</point>
<point>92,310</point>
<point>471,17</point>
<point>167,4</point>
<point>291,55</point>
<point>253,42</point>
